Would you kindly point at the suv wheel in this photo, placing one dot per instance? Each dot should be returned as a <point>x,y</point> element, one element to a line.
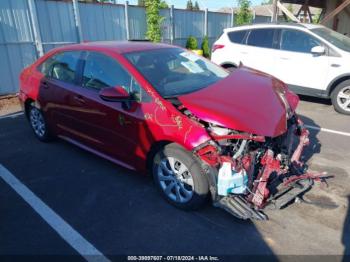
<point>229,68</point>
<point>38,124</point>
<point>180,178</point>
<point>341,98</point>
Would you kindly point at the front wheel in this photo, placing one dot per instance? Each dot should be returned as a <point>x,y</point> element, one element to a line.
<point>341,98</point>
<point>180,178</point>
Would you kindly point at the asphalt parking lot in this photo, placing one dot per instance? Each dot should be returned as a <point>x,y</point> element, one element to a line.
<point>119,212</point>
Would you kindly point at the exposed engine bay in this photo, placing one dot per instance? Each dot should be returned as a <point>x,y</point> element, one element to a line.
<point>250,173</point>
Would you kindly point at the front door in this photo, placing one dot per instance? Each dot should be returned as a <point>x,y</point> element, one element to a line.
<point>303,71</point>
<point>111,128</point>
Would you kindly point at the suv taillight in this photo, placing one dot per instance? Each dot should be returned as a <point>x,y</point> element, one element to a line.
<point>216,47</point>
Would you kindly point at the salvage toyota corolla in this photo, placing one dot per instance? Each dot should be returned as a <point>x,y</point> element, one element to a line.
<point>153,107</point>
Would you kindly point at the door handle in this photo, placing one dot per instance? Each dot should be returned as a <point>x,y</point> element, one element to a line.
<point>45,85</point>
<point>122,120</point>
<point>79,99</point>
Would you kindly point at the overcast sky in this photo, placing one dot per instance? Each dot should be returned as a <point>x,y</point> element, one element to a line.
<point>210,4</point>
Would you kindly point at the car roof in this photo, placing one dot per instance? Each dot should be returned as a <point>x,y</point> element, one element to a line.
<point>273,25</point>
<point>120,47</point>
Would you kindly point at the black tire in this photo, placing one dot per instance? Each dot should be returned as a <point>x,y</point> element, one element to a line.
<point>42,132</point>
<point>335,97</point>
<point>200,187</point>
<point>230,68</point>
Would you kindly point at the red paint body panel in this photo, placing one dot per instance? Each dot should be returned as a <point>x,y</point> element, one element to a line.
<point>95,124</point>
<point>246,101</point>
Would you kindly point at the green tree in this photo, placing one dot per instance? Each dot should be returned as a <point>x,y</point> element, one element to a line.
<point>191,43</point>
<point>141,2</point>
<point>154,20</point>
<point>316,18</point>
<point>189,5</point>
<point>244,14</point>
<point>196,6</point>
<point>290,9</point>
<point>205,47</point>
<point>163,5</point>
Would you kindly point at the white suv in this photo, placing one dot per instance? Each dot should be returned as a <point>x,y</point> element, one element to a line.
<point>312,59</point>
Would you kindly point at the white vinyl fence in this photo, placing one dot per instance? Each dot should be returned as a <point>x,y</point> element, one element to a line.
<point>29,28</point>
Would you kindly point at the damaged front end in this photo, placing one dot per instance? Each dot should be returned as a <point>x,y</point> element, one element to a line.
<point>251,173</point>
<point>254,157</point>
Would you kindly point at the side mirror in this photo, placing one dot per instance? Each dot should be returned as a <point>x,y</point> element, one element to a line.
<point>114,94</point>
<point>318,50</point>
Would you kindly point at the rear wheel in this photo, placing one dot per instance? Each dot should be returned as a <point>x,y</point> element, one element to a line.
<point>341,98</point>
<point>38,123</point>
<point>229,68</point>
<point>179,177</point>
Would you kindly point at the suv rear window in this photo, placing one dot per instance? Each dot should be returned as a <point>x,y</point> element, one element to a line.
<point>237,36</point>
<point>261,37</point>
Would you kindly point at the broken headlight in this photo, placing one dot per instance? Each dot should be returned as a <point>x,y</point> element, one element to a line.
<point>281,92</point>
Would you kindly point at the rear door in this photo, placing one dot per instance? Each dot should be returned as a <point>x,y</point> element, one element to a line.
<point>59,90</point>
<point>233,48</point>
<point>259,51</point>
<point>303,71</point>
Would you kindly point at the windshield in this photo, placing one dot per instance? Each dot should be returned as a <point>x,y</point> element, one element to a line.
<point>335,38</point>
<point>174,72</point>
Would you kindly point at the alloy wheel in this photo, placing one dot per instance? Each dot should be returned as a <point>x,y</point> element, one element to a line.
<point>343,98</point>
<point>37,122</point>
<point>175,180</point>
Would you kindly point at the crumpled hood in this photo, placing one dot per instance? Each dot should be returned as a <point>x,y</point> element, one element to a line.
<point>246,100</point>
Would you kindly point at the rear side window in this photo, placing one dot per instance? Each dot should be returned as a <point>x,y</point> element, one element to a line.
<point>237,36</point>
<point>261,38</point>
<point>62,66</point>
<point>297,41</point>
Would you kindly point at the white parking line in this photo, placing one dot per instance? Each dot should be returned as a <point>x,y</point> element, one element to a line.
<point>69,234</point>
<point>12,115</point>
<point>328,130</point>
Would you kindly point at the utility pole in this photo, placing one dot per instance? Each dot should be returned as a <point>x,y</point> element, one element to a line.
<point>274,11</point>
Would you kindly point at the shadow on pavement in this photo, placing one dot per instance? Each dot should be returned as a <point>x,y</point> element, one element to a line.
<point>120,212</point>
<point>315,145</point>
<point>317,100</point>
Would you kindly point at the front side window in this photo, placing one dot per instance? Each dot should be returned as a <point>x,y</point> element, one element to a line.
<point>261,38</point>
<point>101,71</point>
<point>61,66</point>
<point>174,71</point>
<point>237,36</point>
<point>335,38</point>
<point>297,41</point>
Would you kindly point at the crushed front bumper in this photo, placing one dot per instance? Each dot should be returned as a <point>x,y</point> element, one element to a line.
<point>275,185</point>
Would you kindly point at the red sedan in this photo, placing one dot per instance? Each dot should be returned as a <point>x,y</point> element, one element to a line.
<point>153,107</point>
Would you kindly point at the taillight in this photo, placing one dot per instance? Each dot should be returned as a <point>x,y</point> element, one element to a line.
<point>216,47</point>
